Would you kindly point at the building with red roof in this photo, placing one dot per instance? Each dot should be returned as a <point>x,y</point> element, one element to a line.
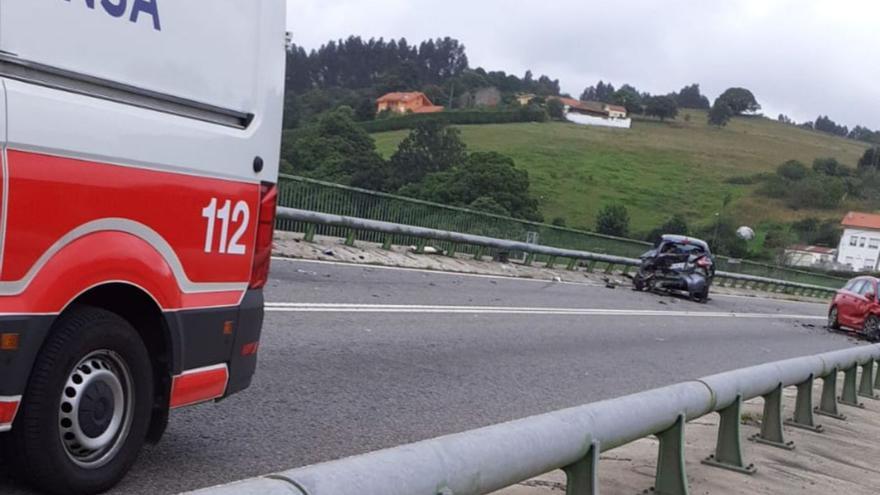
<point>411,102</point>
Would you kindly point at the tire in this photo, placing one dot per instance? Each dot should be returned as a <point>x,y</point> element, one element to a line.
<point>701,297</point>
<point>872,328</point>
<point>833,322</point>
<point>86,411</point>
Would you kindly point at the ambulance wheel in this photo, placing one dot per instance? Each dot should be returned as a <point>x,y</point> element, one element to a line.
<point>86,411</point>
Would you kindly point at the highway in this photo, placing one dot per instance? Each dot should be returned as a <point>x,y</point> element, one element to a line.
<point>357,358</point>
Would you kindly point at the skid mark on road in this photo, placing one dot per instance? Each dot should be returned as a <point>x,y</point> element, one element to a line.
<point>282,307</point>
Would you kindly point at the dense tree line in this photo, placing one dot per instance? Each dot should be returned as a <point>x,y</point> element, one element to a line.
<point>643,103</point>
<point>354,72</point>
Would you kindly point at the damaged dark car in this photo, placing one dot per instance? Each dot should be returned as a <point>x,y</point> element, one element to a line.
<point>677,264</point>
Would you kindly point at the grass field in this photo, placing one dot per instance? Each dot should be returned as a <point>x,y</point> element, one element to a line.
<point>656,169</point>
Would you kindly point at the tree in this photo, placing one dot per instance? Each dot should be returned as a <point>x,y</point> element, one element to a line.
<point>365,110</point>
<point>740,100</point>
<point>784,119</point>
<point>793,170</point>
<point>555,109</point>
<point>613,220</point>
<point>336,149</point>
<point>720,114</point>
<point>662,107</point>
<point>429,148</point>
<point>690,97</point>
<point>628,97</point>
<point>482,177</point>
<point>600,92</point>
<point>830,167</point>
<point>825,124</point>
<point>870,160</point>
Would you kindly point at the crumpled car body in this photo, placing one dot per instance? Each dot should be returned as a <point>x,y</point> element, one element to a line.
<point>678,263</point>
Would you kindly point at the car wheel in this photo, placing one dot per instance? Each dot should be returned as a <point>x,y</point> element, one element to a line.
<point>833,322</point>
<point>872,328</point>
<point>86,411</point>
<point>701,297</point>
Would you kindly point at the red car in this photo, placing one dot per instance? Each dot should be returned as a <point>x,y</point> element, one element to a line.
<point>856,307</point>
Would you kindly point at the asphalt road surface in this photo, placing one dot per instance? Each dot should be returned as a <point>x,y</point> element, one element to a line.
<point>359,358</point>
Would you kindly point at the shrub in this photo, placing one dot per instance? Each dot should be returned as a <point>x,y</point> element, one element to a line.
<point>793,170</point>
<point>613,220</point>
<point>816,192</point>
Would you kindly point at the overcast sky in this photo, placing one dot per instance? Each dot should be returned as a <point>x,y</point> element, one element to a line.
<point>800,57</point>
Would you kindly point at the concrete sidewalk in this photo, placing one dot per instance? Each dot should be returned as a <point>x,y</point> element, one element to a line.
<point>333,249</point>
<point>841,460</point>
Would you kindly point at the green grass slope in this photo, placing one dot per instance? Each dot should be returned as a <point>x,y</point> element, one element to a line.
<point>656,169</point>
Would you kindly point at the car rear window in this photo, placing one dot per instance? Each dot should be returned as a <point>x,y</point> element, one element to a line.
<point>683,248</point>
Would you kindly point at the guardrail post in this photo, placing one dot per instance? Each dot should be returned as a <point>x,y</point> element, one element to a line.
<point>551,261</point>
<point>420,246</point>
<point>626,269</point>
<point>828,403</point>
<point>728,450</point>
<point>386,242</point>
<point>877,379</point>
<point>609,269</point>
<point>572,264</point>
<point>771,424</point>
<point>850,396</point>
<point>582,477</point>
<point>591,266</point>
<point>310,232</point>
<point>349,238</point>
<point>479,254</point>
<point>529,259</point>
<point>453,248</point>
<point>803,408</point>
<point>866,386</point>
<point>671,477</point>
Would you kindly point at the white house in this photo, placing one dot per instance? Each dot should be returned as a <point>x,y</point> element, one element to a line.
<point>860,244</point>
<point>809,256</point>
<point>594,113</point>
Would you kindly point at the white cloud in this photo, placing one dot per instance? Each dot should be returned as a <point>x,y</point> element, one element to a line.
<point>802,58</point>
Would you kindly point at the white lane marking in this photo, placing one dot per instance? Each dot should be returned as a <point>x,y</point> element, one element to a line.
<point>436,272</point>
<point>415,308</point>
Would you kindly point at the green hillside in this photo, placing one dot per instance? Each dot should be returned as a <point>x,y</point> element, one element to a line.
<point>656,169</point>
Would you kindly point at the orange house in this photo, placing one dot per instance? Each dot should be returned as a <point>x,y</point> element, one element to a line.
<point>415,102</point>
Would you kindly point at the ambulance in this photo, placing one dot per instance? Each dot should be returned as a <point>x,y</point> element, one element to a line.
<point>140,147</point>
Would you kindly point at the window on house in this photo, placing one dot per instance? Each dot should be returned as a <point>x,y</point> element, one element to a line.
<point>862,241</point>
<point>853,241</point>
<point>874,243</point>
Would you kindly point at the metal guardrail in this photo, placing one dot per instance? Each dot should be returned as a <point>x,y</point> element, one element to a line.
<point>488,459</point>
<point>352,225</point>
<point>315,195</point>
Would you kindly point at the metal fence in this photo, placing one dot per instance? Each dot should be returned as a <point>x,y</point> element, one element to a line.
<point>308,194</point>
<point>488,459</point>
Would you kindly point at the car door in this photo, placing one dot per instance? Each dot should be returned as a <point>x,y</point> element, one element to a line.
<point>846,307</point>
<point>865,297</point>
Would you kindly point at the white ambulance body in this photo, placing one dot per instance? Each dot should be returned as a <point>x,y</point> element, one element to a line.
<point>140,148</point>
